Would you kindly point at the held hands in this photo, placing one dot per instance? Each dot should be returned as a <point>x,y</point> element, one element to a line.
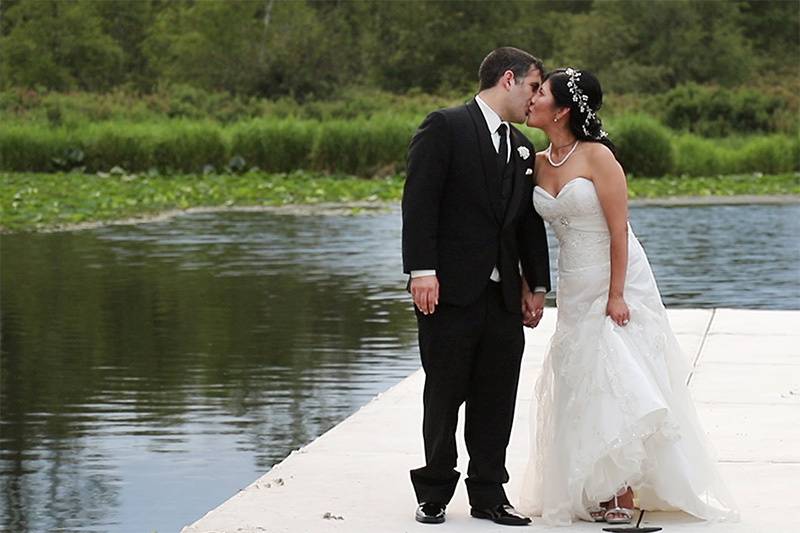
<point>532,307</point>
<point>425,292</point>
<point>618,310</point>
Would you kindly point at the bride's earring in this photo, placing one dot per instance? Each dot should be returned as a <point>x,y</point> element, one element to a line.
<point>555,119</point>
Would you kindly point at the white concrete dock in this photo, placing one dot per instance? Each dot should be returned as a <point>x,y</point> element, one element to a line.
<point>354,478</point>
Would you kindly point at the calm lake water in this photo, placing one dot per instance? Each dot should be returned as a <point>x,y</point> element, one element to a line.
<point>149,372</point>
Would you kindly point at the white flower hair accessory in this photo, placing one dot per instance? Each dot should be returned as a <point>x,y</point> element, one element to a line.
<point>582,100</point>
<point>524,153</point>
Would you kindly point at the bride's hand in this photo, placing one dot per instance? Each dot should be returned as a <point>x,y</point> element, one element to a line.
<point>532,307</point>
<point>618,310</point>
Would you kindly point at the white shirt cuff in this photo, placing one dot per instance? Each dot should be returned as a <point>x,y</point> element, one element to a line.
<point>420,273</point>
<point>536,289</point>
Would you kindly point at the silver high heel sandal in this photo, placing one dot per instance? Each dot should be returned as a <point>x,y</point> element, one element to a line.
<point>617,514</point>
<point>597,513</point>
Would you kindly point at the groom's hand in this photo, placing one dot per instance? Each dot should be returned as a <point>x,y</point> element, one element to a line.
<point>532,308</point>
<point>425,292</point>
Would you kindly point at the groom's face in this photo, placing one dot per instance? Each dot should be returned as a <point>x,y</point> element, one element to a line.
<point>521,93</point>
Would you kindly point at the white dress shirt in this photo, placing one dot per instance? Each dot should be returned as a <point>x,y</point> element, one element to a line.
<point>493,122</point>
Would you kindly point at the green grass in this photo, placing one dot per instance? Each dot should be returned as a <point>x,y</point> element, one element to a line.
<point>749,184</point>
<point>180,129</point>
<point>30,202</point>
<point>361,146</point>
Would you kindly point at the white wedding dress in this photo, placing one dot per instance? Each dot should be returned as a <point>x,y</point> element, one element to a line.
<point>611,405</point>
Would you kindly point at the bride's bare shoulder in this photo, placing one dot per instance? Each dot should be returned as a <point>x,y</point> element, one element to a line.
<point>599,152</point>
<point>602,159</point>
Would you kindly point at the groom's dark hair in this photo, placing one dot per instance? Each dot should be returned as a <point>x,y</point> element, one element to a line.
<point>506,58</point>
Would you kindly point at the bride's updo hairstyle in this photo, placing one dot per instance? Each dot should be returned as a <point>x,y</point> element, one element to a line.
<point>580,91</point>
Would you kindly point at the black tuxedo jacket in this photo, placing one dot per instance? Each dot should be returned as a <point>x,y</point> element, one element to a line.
<point>454,220</point>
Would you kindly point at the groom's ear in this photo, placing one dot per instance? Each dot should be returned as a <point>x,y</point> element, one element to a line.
<point>507,79</point>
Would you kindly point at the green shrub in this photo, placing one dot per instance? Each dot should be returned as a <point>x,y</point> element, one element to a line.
<point>337,147</point>
<point>274,145</point>
<point>364,147</point>
<point>697,156</point>
<point>643,146</point>
<point>174,146</point>
<point>384,145</point>
<point>770,155</point>
<point>774,154</point>
<point>178,101</point>
<point>111,144</point>
<point>187,146</point>
<point>716,112</point>
<point>32,148</point>
<point>360,147</point>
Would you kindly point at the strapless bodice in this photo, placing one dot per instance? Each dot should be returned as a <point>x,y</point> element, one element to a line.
<point>577,219</point>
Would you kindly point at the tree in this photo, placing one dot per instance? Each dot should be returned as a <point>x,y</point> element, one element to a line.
<point>316,48</point>
<point>128,23</point>
<point>313,49</point>
<point>206,43</point>
<point>439,44</point>
<point>58,44</point>
<point>650,47</point>
<point>773,28</point>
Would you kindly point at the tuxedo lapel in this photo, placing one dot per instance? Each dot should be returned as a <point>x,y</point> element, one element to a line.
<point>520,165</point>
<point>488,159</point>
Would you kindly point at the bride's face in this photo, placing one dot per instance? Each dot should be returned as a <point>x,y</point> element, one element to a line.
<point>542,108</point>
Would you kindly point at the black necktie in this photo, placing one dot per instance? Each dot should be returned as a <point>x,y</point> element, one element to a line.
<point>506,170</point>
<point>502,152</point>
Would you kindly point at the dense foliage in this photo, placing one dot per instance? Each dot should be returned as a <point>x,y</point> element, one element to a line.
<point>317,48</point>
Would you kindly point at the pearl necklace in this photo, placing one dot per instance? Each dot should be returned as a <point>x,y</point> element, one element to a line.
<point>550,159</point>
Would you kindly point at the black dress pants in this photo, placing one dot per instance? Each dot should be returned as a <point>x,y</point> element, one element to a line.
<point>470,354</point>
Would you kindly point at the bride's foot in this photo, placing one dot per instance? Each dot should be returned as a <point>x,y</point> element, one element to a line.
<point>597,514</point>
<point>620,508</point>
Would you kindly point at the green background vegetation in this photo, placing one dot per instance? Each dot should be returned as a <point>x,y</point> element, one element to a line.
<point>363,146</point>
<point>312,49</point>
<point>253,88</point>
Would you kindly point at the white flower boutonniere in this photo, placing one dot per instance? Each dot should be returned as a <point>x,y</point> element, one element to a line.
<point>524,153</point>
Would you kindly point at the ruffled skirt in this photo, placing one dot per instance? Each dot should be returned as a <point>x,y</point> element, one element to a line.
<point>612,408</point>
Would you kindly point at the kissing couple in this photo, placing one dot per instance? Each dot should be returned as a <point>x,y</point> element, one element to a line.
<point>613,423</point>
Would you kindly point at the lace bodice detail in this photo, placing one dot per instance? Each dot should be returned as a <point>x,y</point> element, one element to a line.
<point>577,220</point>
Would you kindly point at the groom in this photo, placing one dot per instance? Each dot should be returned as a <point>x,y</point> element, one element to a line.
<point>469,230</point>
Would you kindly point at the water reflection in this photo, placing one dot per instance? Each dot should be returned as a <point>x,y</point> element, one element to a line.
<point>148,372</point>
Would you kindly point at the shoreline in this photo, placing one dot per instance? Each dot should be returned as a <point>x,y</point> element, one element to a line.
<point>320,209</point>
<point>365,207</point>
<point>740,199</point>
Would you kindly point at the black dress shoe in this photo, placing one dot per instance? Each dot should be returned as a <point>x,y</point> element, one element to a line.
<point>430,513</point>
<point>503,514</point>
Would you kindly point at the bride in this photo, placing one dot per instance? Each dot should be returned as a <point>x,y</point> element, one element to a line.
<point>614,419</point>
